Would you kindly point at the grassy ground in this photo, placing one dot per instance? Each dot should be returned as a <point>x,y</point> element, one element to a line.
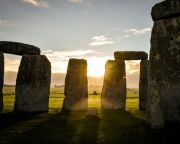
<point>108,127</point>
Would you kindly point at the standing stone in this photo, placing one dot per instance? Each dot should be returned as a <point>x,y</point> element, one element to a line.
<point>143,84</point>
<point>114,88</point>
<point>1,79</point>
<point>163,105</point>
<point>76,86</point>
<point>33,84</point>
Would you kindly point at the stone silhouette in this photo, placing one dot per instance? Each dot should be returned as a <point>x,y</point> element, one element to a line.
<point>33,81</point>
<point>1,79</point>
<point>76,86</point>
<point>18,48</point>
<point>114,88</point>
<point>33,84</point>
<point>130,55</point>
<point>143,84</point>
<point>164,79</point>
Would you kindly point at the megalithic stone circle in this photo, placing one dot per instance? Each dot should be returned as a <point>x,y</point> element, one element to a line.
<point>33,84</point>
<point>114,87</point>
<point>76,86</point>
<point>163,103</point>
<point>1,79</point>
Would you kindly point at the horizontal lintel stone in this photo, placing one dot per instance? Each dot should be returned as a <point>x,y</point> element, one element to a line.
<point>166,9</point>
<point>18,48</point>
<point>130,55</point>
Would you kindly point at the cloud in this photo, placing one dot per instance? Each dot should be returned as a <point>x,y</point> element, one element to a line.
<point>12,63</point>
<point>101,40</point>
<point>96,62</point>
<point>5,23</point>
<point>37,3</point>
<point>132,67</point>
<point>76,1</point>
<point>136,32</point>
<point>59,59</point>
<point>132,73</point>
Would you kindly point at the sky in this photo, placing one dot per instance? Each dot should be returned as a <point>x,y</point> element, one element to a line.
<point>88,29</point>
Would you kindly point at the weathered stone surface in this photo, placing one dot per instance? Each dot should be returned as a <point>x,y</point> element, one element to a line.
<point>130,55</point>
<point>143,84</point>
<point>1,79</point>
<point>166,9</point>
<point>33,84</point>
<point>164,79</point>
<point>76,86</point>
<point>18,48</point>
<point>114,88</point>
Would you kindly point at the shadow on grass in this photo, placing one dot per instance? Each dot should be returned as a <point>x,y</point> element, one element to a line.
<point>89,130</point>
<point>60,128</point>
<point>111,127</point>
<point>13,118</point>
<point>121,127</point>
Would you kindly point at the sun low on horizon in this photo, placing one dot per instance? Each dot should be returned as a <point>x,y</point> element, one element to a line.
<point>96,66</point>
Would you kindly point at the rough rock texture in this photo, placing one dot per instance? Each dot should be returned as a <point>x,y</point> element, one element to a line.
<point>76,86</point>
<point>1,79</point>
<point>164,79</point>
<point>18,48</point>
<point>33,84</point>
<point>130,55</point>
<point>166,9</point>
<point>143,84</point>
<point>114,88</point>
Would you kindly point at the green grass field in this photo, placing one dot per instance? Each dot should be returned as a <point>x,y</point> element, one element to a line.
<point>57,96</point>
<point>56,127</point>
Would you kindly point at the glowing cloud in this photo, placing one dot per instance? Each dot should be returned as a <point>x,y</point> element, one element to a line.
<point>59,59</point>
<point>101,40</point>
<point>76,1</point>
<point>136,32</point>
<point>5,23</point>
<point>37,3</point>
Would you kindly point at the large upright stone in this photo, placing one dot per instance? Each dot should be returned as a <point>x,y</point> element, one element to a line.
<point>164,80</point>
<point>76,86</point>
<point>130,55</point>
<point>33,84</point>
<point>18,48</point>
<point>1,79</point>
<point>114,88</point>
<point>143,84</point>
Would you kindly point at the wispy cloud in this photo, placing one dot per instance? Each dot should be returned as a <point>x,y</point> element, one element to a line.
<point>101,40</point>
<point>76,1</point>
<point>132,73</point>
<point>37,3</point>
<point>96,62</point>
<point>12,63</point>
<point>132,68</point>
<point>136,32</point>
<point>59,59</point>
<point>5,23</point>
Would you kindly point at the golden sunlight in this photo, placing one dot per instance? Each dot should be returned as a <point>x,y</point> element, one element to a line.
<point>96,66</point>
